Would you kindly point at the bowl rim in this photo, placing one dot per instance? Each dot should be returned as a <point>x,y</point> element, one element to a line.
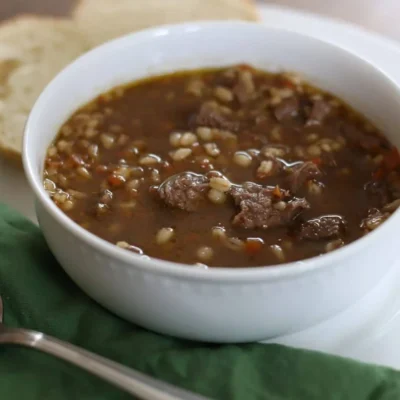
<point>291,270</point>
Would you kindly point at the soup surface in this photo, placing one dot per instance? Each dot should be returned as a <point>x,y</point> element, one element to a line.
<point>232,167</point>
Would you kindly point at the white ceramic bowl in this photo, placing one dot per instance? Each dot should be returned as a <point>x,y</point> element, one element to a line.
<point>218,305</point>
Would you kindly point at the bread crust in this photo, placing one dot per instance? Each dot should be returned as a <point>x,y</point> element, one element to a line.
<point>243,9</point>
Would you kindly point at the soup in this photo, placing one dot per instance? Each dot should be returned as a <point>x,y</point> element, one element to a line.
<point>231,167</point>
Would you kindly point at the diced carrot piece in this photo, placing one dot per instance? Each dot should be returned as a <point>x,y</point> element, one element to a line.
<point>277,192</point>
<point>288,84</point>
<point>54,164</point>
<point>69,164</point>
<point>378,174</point>
<point>253,246</point>
<point>317,161</point>
<point>116,180</point>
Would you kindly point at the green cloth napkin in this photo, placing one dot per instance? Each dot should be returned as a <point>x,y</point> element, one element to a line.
<point>37,294</point>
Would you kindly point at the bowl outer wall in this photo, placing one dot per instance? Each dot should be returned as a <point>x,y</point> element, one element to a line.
<point>223,305</point>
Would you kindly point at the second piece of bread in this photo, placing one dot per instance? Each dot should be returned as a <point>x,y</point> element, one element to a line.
<point>103,20</point>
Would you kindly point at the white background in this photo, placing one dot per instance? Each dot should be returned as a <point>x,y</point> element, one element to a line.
<point>379,15</point>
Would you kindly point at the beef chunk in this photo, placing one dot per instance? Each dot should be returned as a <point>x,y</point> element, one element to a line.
<point>379,191</point>
<point>184,191</point>
<point>251,139</point>
<point>394,189</point>
<point>326,227</point>
<point>287,108</point>
<point>370,143</point>
<point>360,139</point>
<point>244,90</point>
<point>212,117</point>
<point>328,159</point>
<point>320,110</point>
<point>301,174</point>
<point>260,208</point>
<point>294,207</point>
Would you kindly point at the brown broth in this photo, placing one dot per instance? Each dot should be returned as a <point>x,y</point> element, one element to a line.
<point>140,119</point>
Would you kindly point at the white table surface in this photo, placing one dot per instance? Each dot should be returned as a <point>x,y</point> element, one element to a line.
<point>382,16</point>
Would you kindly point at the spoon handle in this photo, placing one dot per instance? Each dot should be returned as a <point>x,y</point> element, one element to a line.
<point>133,382</point>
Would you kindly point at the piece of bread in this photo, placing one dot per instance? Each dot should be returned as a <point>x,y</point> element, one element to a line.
<point>103,20</point>
<point>32,51</point>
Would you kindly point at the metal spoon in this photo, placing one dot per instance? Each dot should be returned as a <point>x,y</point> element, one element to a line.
<point>131,381</point>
